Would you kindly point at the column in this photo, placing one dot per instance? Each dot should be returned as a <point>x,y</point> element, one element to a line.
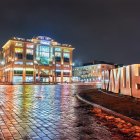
<point>24,75</point>
<point>70,76</point>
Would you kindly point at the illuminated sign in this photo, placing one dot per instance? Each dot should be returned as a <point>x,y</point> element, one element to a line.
<point>44,42</point>
<point>125,80</point>
<point>43,38</point>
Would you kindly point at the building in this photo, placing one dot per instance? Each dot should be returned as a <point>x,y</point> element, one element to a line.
<point>90,73</point>
<point>40,59</point>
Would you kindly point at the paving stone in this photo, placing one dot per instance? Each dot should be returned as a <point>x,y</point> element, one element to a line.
<point>57,116</point>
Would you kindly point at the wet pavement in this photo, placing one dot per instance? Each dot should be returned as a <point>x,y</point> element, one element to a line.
<point>48,112</point>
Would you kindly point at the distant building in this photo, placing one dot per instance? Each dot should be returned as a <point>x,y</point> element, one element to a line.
<point>36,60</point>
<point>90,73</point>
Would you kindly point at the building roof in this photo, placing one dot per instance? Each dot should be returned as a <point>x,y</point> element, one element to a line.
<point>39,40</point>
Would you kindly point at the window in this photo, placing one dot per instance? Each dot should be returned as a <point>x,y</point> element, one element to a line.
<point>66,50</point>
<point>18,72</point>
<point>66,60</point>
<point>29,57</point>
<point>57,49</point>
<point>30,46</point>
<point>18,44</point>
<point>57,56</point>
<point>66,66</point>
<point>19,53</point>
<point>19,63</point>
<point>58,59</point>
<point>66,57</point>
<point>29,72</point>
<point>43,54</point>
<point>29,54</point>
<point>58,65</point>
<point>66,73</point>
<point>29,63</point>
<point>58,73</point>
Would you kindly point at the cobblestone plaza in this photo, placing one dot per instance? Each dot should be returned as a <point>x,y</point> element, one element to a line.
<point>47,112</point>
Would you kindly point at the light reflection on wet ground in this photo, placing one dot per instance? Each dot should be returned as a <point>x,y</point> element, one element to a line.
<point>47,112</point>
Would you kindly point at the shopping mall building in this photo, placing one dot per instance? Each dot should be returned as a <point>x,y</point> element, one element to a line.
<point>91,72</point>
<point>40,59</point>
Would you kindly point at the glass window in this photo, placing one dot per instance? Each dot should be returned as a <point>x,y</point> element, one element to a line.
<point>66,50</point>
<point>58,73</point>
<point>29,57</point>
<point>29,72</point>
<point>29,63</point>
<point>66,55</point>
<point>66,74</point>
<point>18,50</point>
<point>66,60</point>
<point>29,79</point>
<point>19,44</point>
<point>29,54</point>
<point>30,46</point>
<point>58,65</point>
<point>58,59</point>
<point>29,51</point>
<point>19,63</point>
<point>58,49</point>
<point>57,54</point>
<point>19,55</point>
<point>19,72</point>
<point>17,79</point>
<point>43,54</point>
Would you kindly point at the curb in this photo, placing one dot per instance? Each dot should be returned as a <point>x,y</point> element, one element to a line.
<point>108,111</point>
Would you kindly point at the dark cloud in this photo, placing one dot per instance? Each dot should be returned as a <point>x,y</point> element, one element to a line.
<point>98,29</point>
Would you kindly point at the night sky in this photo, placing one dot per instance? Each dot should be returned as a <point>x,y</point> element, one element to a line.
<point>106,30</point>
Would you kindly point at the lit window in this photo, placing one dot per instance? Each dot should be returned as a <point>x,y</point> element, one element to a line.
<point>29,72</point>
<point>66,55</point>
<point>58,49</point>
<point>18,50</point>
<point>18,53</point>
<point>30,46</point>
<point>29,54</point>
<point>18,72</point>
<point>57,65</point>
<point>66,50</point>
<point>57,54</point>
<point>19,63</point>
<point>67,66</point>
<point>29,51</point>
<point>18,44</point>
<point>29,63</point>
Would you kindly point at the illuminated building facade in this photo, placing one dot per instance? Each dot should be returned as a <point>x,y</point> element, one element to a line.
<point>36,60</point>
<point>90,73</point>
